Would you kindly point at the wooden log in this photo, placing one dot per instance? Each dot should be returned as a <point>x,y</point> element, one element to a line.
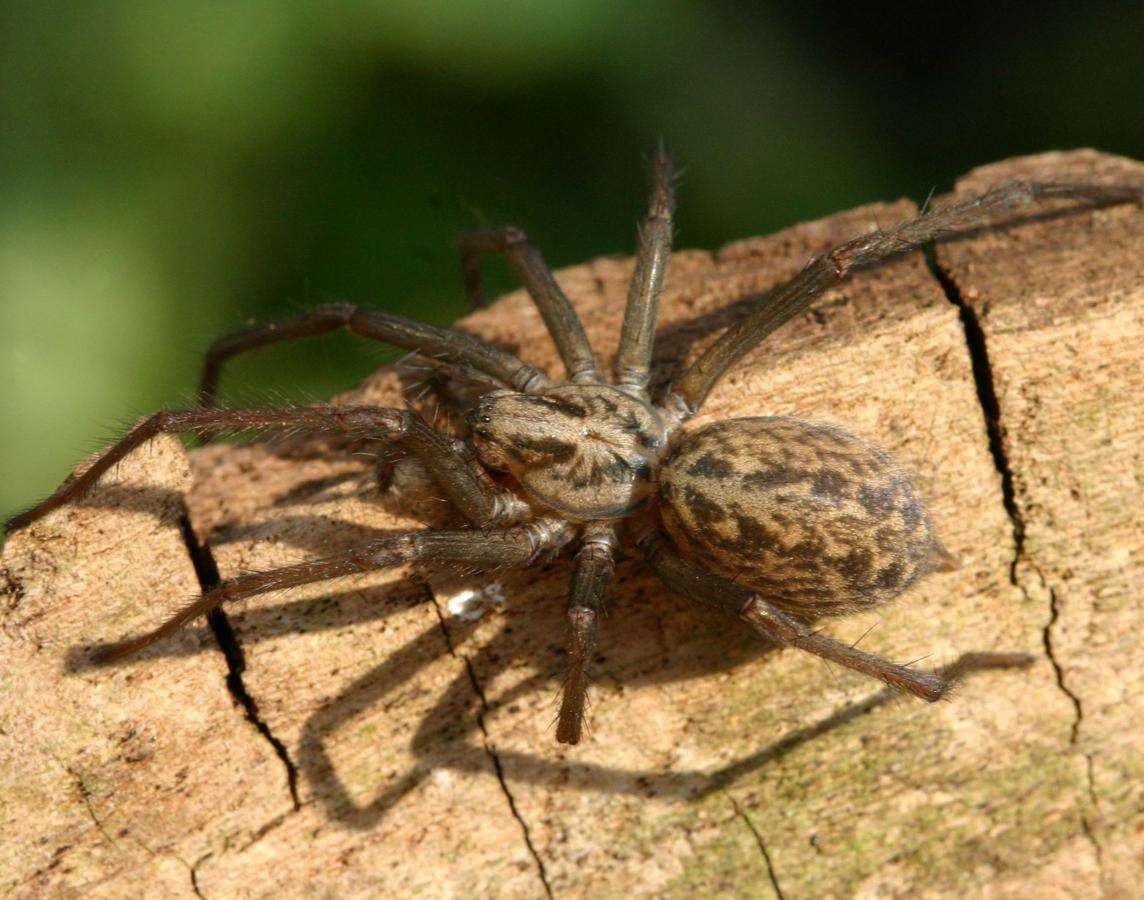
<point>370,736</point>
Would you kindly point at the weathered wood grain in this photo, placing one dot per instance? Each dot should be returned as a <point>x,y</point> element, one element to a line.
<point>421,745</point>
<point>1059,303</point>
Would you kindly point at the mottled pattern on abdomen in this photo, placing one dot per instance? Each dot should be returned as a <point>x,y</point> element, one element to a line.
<point>819,521</point>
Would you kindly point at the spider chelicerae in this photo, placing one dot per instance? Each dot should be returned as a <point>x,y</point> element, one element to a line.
<point>777,520</point>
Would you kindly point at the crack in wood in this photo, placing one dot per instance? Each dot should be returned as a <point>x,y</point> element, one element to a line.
<point>742,814</point>
<point>1078,717</point>
<point>983,380</point>
<point>194,869</point>
<point>991,412</point>
<point>208,574</point>
<point>498,767</point>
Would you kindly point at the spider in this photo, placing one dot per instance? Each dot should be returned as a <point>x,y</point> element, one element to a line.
<point>779,521</point>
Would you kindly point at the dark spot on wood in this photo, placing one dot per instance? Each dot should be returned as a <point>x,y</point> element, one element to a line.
<point>12,588</point>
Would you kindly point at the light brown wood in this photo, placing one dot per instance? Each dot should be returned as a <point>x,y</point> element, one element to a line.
<point>422,744</point>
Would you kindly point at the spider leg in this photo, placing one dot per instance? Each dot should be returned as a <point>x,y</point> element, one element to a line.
<point>638,334</point>
<point>459,476</point>
<point>592,571</point>
<point>559,316</point>
<point>786,301</point>
<point>444,344</point>
<point>771,622</point>
<point>518,545</point>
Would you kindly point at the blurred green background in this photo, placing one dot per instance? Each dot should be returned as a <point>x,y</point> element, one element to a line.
<point>171,170</point>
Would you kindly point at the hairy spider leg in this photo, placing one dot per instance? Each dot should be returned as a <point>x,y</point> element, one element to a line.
<point>496,541</point>
<point>591,573</point>
<point>443,344</point>
<point>771,622</point>
<point>462,479</point>
<point>786,301</point>
<point>633,362</point>
<point>555,309</point>
<point>515,546</point>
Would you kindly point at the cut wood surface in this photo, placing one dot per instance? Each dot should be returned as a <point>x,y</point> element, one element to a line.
<point>373,736</point>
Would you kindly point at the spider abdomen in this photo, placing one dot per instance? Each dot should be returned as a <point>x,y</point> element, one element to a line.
<point>816,519</point>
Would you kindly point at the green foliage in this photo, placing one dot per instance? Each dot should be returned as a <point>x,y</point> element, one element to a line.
<point>171,169</point>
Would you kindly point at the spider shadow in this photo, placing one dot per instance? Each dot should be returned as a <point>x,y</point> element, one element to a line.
<point>315,535</point>
<point>330,612</point>
<point>653,638</point>
<point>372,462</point>
<point>451,734</point>
<point>528,646</point>
<point>132,498</point>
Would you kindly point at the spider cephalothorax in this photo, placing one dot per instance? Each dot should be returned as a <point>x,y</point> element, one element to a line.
<point>778,521</point>
<point>586,452</point>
